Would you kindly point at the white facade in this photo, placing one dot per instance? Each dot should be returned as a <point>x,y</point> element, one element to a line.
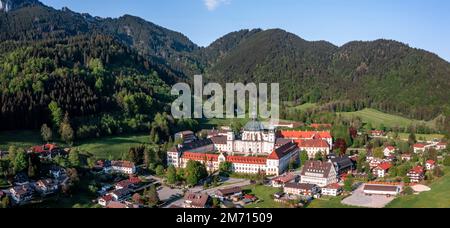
<point>331,191</point>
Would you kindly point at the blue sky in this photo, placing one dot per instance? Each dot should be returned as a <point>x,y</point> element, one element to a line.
<point>420,23</point>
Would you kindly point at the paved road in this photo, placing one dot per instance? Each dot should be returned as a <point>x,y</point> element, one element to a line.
<point>199,189</point>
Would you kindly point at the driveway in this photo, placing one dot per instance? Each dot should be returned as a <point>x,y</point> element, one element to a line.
<point>359,199</point>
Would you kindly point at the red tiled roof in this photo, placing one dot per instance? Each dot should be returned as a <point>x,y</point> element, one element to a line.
<point>313,143</point>
<point>282,151</point>
<point>306,134</point>
<point>419,145</point>
<point>417,169</point>
<point>285,178</point>
<point>431,162</point>
<point>200,156</point>
<point>107,198</point>
<point>391,148</point>
<point>247,160</point>
<point>333,186</point>
<point>116,205</point>
<point>126,164</point>
<point>385,166</point>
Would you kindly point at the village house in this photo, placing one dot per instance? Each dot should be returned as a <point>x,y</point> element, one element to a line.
<point>441,146</point>
<point>124,167</point>
<point>22,194</point>
<point>185,136</point>
<point>318,173</point>
<point>374,163</point>
<point>196,200</point>
<point>120,194</point>
<point>130,183</point>
<point>342,164</point>
<point>389,150</point>
<point>381,170</point>
<point>379,189</point>
<point>430,165</point>
<point>46,186</point>
<point>228,193</point>
<point>419,148</point>
<point>301,189</point>
<point>332,190</point>
<point>377,133</point>
<point>406,157</point>
<point>416,174</point>
<point>105,200</point>
<point>280,181</point>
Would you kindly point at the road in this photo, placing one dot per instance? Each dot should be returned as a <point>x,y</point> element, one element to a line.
<point>230,183</point>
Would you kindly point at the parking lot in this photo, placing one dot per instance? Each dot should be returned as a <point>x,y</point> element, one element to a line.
<point>359,199</point>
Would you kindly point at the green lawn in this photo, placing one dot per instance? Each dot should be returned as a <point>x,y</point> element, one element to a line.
<point>377,118</point>
<point>328,202</point>
<point>22,139</point>
<point>427,137</point>
<point>102,148</point>
<point>114,146</point>
<point>305,107</point>
<point>438,197</point>
<point>264,194</point>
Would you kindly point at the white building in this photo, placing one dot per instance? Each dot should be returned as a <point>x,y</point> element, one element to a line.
<point>125,167</point>
<point>387,190</point>
<point>332,190</point>
<point>318,173</point>
<point>389,150</point>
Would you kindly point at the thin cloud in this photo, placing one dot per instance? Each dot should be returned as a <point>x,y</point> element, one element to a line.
<point>211,5</point>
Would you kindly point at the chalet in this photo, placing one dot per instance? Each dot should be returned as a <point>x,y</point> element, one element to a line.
<point>318,173</point>
<point>381,170</point>
<point>130,183</point>
<point>105,200</point>
<point>378,189</point>
<point>228,193</point>
<point>406,157</point>
<point>377,133</point>
<point>332,190</point>
<point>419,148</point>
<point>389,150</point>
<point>280,181</point>
<point>430,165</point>
<point>301,189</point>
<point>120,194</point>
<point>186,136</point>
<point>343,164</point>
<point>125,167</point>
<point>46,186</point>
<point>417,174</point>
<point>441,146</point>
<point>374,163</point>
<point>196,200</point>
<point>22,194</point>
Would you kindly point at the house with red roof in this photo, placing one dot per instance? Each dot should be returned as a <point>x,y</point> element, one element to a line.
<point>377,133</point>
<point>332,190</point>
<point>313,147</point>
<point>389,150</point>
<point>419,148</point>
<point>430,165</point>
<point>416,174</point>
<point>280,181</point>
<point>441,146</point>
<point>308,135</point>
<point>382,169</point>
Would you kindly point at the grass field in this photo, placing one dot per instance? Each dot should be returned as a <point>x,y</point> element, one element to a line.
<point>328,202</point>
<point>377,118</point>
<point>420,137</point>
<point>438,197</point>
<point>102,148</point>
<point>264,194</point>
<point>305,107</point>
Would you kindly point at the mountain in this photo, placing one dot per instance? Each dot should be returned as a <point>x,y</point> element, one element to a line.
<point>9,5</point>
<point>171,52</point>
<point>382,74</point>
